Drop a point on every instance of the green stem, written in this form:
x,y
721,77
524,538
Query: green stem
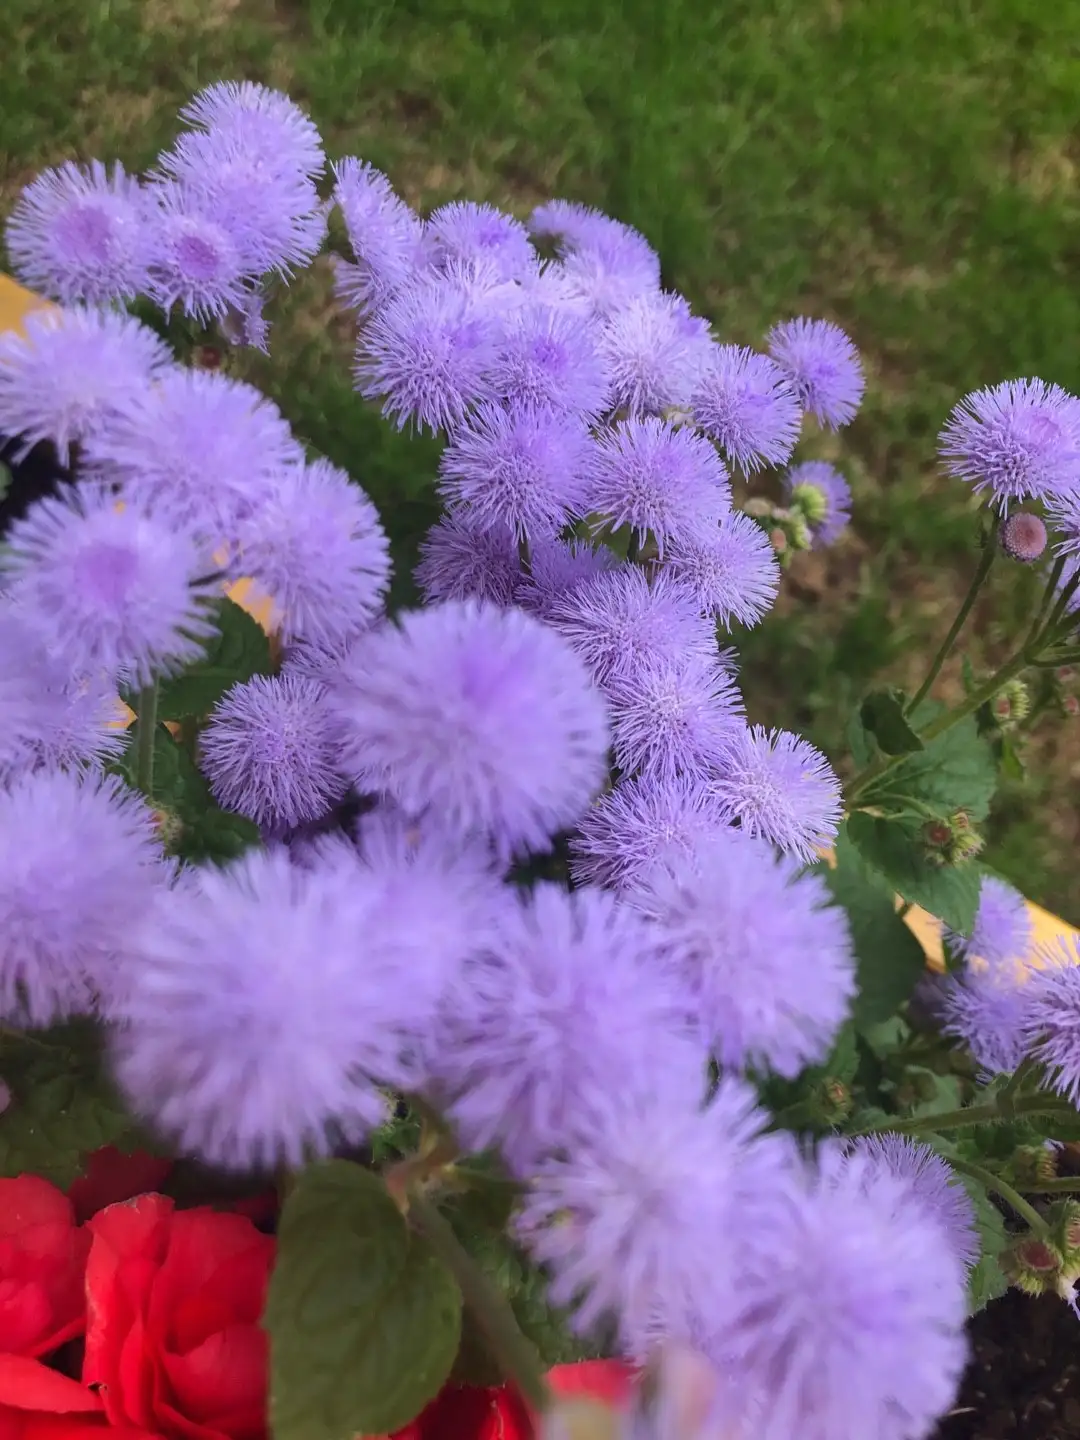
x,y
1064,1185
970,1115
633,548
524,556
1047,600
145,726
1012,1197
983,569
517,1358
1008,1096
1058,612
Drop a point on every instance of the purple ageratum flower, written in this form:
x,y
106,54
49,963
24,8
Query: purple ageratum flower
x,y
548,357
987,1009
930,1181
484,715
427,353
118,590
195,262
271,128
270,752
620,622
248,325
199,447
639,823
621,1218
553,1019
746,403
50,717
80,863
461,561
314,543
845,1318
385,235
1015,440
70,371
1051,1029
522,468
557,568
823,365
731,896
578,229
779,787
1002,932
1023,537
273,215
78,233
656,477
471,234
831,489
733,570
603,281
263,1014
673,717
654,358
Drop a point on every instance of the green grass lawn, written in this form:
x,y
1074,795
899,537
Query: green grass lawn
x,y
908,169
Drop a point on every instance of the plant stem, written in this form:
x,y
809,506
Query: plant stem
x,y
517,1358
1017,1080
1012,1197
633,548
1047,600
970,1115
1064,1185
524,556
983,569
145,726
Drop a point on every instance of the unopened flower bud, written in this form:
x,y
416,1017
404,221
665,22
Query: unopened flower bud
x,y
778,540
1065,674
834,1099
937,834
1032,1265
1023,537
1070,705
965,847
1034,1164
758,508
811,501
169,827
1011,704
207,357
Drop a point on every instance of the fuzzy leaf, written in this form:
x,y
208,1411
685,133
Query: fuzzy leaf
x,y
882,714
889,959
239,650
364,1319
956,771
892,847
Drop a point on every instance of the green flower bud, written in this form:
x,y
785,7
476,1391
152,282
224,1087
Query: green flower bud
x,y
811,501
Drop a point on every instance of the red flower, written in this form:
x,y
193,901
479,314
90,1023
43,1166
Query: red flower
x,y
174,1300
466,1412
112,1176
42,1255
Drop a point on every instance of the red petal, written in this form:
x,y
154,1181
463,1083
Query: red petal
x,y
29,1385
227,1373
202,1244
121,1235
607,1380
28,1201
111,1176
235,1294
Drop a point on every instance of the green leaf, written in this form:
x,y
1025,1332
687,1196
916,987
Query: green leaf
x,y
63,1104
889,959
892,847
882,714
859,742
986,1280
239,650
364,1319
5,480
1012,766
957,771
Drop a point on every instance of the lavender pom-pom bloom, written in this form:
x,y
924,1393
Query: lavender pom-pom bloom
x,y
834,493
1002,931
673,717
732,570
481,236
655,477
270,752
1051,998
263,1015
1015,440
548,357
640,822
486,716
823,365
523,467
195,262
314,543
619,622
78,233
621,1218
271,128
746,403
779,787
554,1018
199,447
71,371
653,359
427,354
931,1182
79,863
987,1009
385,235
730,897
461,560
119,591
846,1316
557,568
578,229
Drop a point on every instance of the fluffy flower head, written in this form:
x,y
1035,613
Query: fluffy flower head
x,y
932,1182
1015,440
1023,537
579,230
548,357
833,494
747,404
270,126
556,569
1002,933
1051,1029
673,717
462,560
639,823
779,787
195,261
479,235
653,359
385,235
732,570
823,365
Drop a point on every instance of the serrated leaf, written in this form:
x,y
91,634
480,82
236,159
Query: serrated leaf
x,y
957,771
364,1319
889,959
892,847
239,650
882,714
